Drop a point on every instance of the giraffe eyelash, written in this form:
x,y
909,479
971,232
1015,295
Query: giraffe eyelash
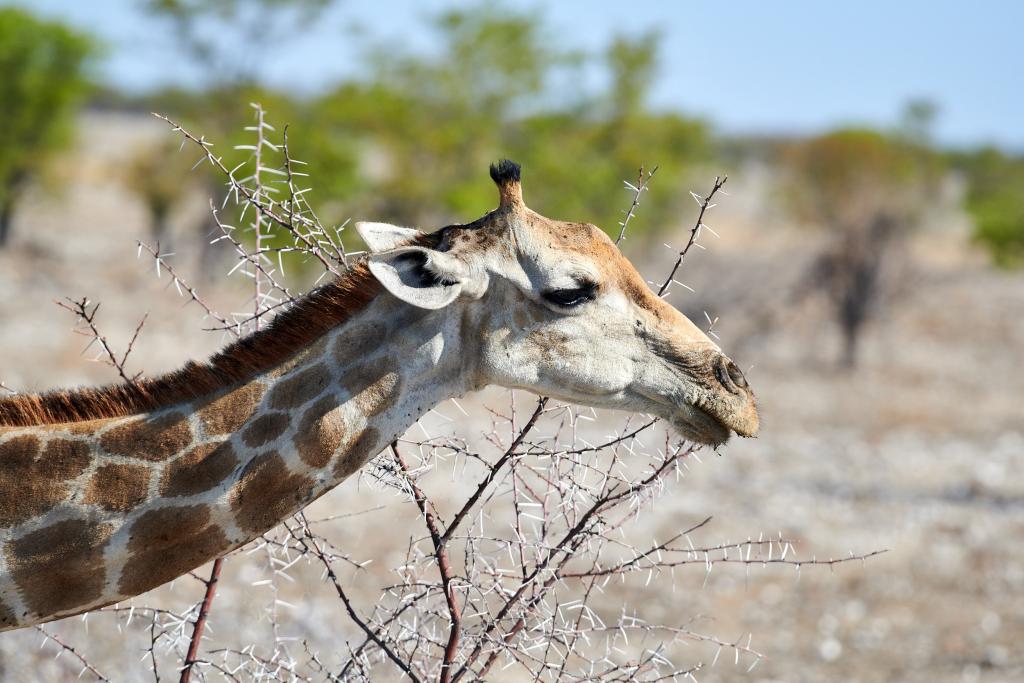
x,y
571,297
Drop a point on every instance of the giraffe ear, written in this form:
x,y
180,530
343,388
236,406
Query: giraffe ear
x,y
425,277
384,237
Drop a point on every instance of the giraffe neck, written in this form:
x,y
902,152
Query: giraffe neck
x,y
93,513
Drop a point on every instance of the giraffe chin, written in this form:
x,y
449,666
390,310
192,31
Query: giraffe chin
x,y
698,426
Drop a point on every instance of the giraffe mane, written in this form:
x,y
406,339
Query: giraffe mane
x,y
299,325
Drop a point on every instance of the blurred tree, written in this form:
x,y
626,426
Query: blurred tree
x,y
418,129
408,140
227,38
917,120
43,66
160,176
868,189
995,200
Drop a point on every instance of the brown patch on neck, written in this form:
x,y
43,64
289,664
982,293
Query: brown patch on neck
x,y
304,322
199,470
60,567
227,413
33,479
149,438
357,453
166,543
117,487
267,492
321,430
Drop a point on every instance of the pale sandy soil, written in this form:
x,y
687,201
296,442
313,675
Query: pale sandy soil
x,y
919,452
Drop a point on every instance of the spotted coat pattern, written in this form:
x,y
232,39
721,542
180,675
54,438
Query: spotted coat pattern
x,y
92,513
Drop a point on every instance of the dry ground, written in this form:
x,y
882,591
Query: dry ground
x,y
919,452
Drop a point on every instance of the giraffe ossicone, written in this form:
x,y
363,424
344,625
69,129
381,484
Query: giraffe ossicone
x,y
106,493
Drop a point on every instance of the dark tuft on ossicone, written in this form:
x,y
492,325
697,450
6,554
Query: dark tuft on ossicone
x,y
505,171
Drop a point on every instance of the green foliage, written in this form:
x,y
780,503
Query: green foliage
x,y
211,31
43,66
418,131
159,175
411,139
844,177
995,200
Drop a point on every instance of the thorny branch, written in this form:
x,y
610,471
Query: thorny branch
x,y
86,664
638,189
314,546
87,317
183,288
316,241
494,471
444,568
705,204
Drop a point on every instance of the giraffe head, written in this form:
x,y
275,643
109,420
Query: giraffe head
x,y
553,307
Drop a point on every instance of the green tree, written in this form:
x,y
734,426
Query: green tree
x,y
995,200
408,140
44,79
227,40
161,177
417,129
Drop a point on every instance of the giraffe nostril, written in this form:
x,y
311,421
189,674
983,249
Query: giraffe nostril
x,y
729,375
735,375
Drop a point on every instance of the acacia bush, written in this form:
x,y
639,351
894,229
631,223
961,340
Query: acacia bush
x,y
995,201
405,138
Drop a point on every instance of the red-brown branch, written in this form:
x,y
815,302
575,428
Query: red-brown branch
x,y
443,566
494,470
81,309
200,623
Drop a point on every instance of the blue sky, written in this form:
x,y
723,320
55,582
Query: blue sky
x,y
789,67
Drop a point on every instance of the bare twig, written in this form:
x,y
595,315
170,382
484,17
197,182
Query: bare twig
x,y
328,259
87,317
637,190
160,259
695,231
86,664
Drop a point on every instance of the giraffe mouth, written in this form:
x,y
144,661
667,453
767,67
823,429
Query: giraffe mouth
x,y
692,420
696,424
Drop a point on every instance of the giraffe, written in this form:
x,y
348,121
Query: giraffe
x,y
106,493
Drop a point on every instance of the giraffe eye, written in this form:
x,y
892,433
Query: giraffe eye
x,y
570,298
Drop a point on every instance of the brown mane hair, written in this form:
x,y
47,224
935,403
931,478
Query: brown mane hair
x,y
299,325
